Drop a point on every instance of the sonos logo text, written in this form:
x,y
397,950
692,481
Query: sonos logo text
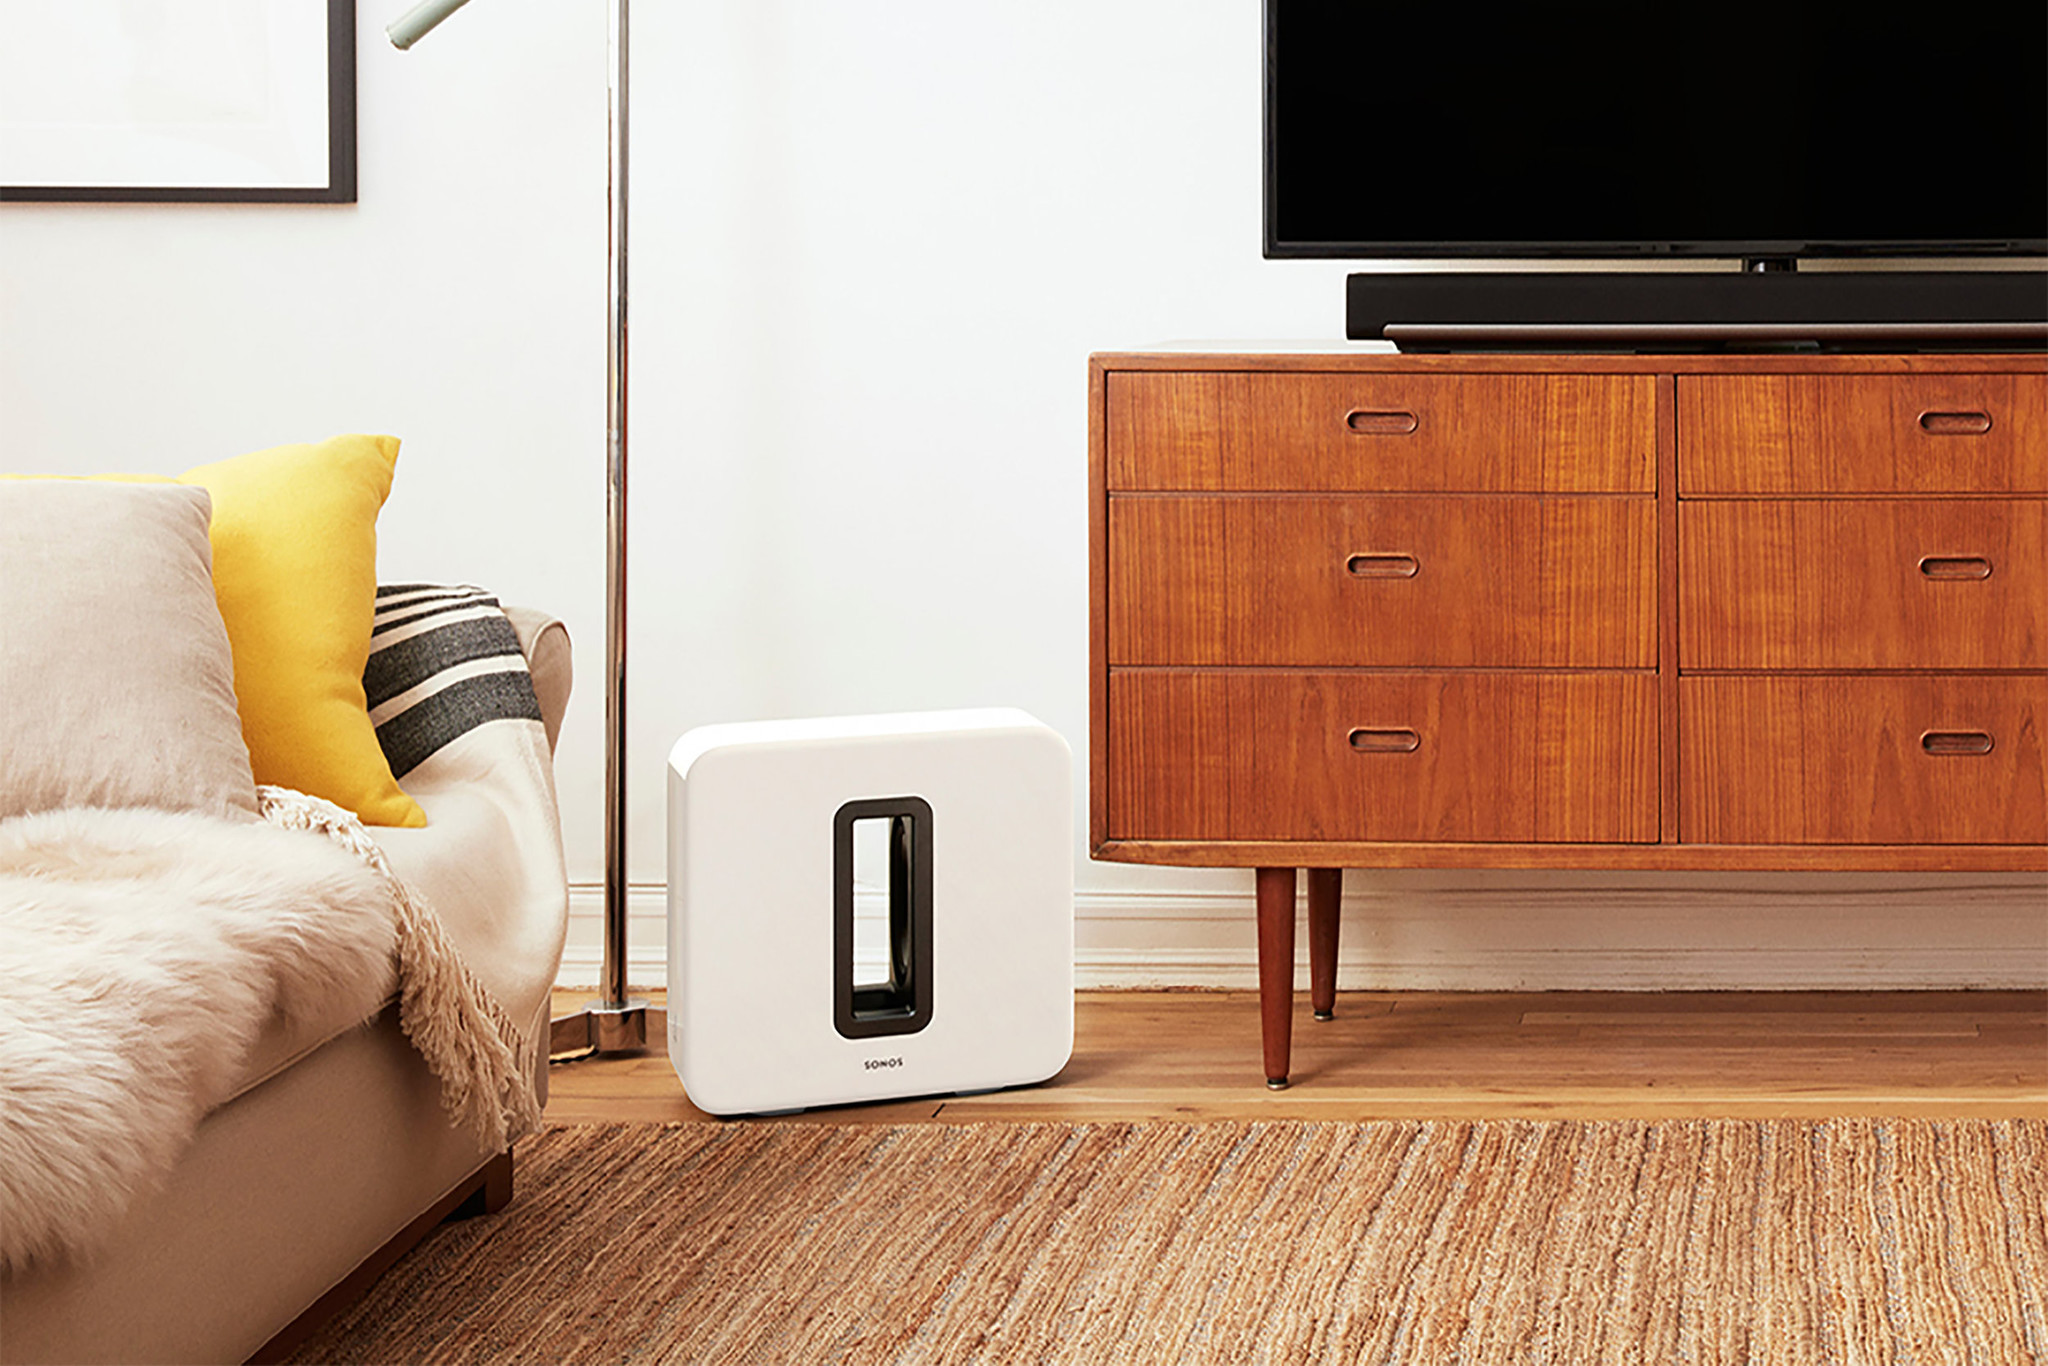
x,y
873,1064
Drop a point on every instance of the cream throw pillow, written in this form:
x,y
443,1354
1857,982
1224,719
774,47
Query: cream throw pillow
x,y
116,683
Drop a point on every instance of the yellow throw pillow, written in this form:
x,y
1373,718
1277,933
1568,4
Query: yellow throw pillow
x,y
295,571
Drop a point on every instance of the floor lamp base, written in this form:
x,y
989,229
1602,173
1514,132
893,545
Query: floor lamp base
x,y
627,1026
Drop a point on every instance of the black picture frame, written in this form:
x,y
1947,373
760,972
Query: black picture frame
x,y
341,148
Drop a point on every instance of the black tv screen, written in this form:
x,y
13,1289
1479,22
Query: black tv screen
x,y
1621,129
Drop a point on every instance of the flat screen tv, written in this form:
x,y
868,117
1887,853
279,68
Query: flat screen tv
x,y
1630,129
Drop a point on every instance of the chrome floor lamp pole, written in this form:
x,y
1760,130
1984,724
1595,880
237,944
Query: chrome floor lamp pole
x,y
615,1022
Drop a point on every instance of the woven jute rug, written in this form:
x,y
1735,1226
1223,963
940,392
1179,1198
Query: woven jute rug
x,y
1500,1241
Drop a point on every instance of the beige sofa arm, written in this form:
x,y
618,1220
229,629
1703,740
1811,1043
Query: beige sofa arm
x,y
545,642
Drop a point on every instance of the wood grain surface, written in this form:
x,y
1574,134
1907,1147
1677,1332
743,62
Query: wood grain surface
x,y
1383,581
1271,754
1864,584
1844,759
1315,432
1219,519
1661,857
1869,434
1667,609
1585,1055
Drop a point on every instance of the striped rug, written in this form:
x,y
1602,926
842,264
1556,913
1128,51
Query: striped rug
x,y
1779,1242
443,660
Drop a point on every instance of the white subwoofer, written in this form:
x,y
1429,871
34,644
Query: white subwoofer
x,y
863,908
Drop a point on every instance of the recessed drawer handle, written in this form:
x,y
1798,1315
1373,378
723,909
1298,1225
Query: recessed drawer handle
x,y
1380,422
1955,424
1385,741
1955,566
1942,742
1383,566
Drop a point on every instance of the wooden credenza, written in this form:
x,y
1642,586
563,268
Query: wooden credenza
x,y
1355,609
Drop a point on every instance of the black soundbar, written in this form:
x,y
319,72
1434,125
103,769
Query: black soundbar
x,y
1837,310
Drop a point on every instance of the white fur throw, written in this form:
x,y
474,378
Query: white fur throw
x,y
142,953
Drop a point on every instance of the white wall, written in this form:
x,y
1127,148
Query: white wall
x,y
873,245
459,305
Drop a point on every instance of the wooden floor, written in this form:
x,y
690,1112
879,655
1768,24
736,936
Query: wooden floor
x,y
1579,1055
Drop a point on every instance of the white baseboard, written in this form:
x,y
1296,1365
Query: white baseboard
x,y
1530,932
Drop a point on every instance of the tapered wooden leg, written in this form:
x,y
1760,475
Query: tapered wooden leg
x,y
1276,970
1325,894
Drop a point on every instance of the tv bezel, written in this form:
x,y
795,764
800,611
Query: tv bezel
x,y
1745,249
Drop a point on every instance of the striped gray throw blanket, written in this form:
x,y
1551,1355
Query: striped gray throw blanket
x,y
443,661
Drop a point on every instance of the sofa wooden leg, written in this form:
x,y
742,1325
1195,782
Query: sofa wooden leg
x,y
493,1190
1325,895
486,1192
1276,970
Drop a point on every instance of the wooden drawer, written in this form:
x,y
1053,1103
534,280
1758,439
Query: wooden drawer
x,y
1371,433
1493,757
1389,581
1839,584
1820,759
1849,434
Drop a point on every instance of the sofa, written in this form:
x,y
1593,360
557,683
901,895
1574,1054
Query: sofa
x,y
333,1142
